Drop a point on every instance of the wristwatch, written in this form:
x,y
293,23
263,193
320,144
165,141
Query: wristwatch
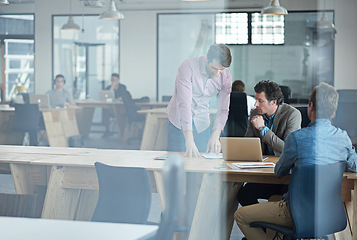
x,y
261,129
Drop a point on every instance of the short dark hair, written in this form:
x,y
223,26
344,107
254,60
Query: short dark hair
x,y
271,89
221,53
324,97
238,86
60,76
115,75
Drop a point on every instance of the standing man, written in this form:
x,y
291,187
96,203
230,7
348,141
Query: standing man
x,y
60,97
272,121
319,143
199,79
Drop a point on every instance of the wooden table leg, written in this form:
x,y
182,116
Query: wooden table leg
x,y
86,205
60,203
21,175
213,218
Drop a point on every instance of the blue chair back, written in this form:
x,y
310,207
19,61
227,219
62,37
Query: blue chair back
x,y
124,194
315,200
173,175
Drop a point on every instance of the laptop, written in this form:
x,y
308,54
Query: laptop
x,y
43,100
106,95
241,149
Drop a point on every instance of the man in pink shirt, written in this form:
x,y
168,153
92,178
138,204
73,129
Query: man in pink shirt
x,y
197,80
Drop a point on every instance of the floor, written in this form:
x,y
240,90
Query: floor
x,y
96,140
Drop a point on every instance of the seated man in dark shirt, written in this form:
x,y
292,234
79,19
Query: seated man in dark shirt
x,y
319,143
119,90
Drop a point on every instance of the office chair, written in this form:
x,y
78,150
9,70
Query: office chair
x,y
346,113
18,205
136,121
286,93
27,118
173,175
237,121
124,194
315,202
166,98
305,121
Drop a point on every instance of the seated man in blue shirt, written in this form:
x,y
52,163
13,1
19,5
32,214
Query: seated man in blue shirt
x,y
272,121
319,143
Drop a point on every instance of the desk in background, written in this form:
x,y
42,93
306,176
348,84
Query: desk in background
x,y
44,229
72,187
60,124
85,120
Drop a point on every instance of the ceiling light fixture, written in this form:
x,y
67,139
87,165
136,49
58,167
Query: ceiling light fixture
x,y
274,8
112,12
324,23
70,25
4,2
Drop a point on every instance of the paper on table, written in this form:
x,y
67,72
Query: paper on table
x,y
251,165
212,155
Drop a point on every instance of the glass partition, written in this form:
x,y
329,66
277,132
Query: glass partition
x,y
86,57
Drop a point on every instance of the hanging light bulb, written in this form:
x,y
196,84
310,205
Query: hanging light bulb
x,y
274,8
70,25
324,23
4,2
112,12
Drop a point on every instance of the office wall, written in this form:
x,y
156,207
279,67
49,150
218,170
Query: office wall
x,y
138,39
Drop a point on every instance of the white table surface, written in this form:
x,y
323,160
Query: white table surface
x,y
46,229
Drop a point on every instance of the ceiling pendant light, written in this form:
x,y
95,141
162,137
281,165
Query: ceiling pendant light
x,y
324,23
4,2
70,25
274,8
112,12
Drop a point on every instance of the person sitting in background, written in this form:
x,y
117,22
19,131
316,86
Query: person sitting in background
x,y
272,121
239,86
118,88
60,97
319,143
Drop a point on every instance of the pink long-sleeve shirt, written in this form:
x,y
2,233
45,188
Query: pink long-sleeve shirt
x,y
193,91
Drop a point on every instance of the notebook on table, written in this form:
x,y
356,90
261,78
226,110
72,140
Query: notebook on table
x,y
43,100
106,95
241,149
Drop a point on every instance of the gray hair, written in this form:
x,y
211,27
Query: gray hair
x,y
325,100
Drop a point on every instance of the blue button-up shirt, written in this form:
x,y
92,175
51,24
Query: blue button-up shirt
x,y
319,143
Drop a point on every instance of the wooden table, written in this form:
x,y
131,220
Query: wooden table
x,y
155,130
72,184
118,109
60,124
44,229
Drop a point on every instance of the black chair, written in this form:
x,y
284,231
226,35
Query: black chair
x,y
27,118
124,194
346,113
237,122
286,93
173,176
136,121
305,121
315,202
18,205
